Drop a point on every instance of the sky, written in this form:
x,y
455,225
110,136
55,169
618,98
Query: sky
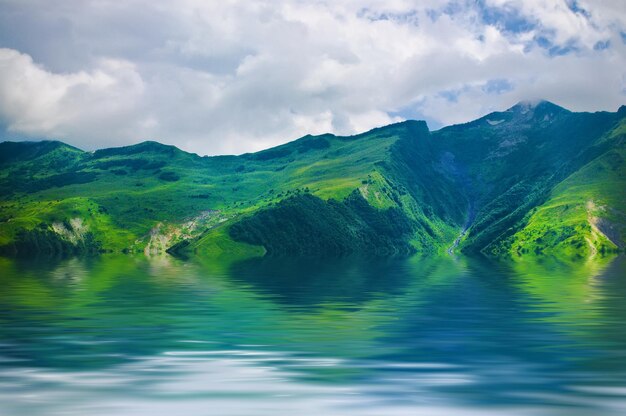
x,y
235,76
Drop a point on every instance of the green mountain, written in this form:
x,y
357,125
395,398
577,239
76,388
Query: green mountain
x,y
536,178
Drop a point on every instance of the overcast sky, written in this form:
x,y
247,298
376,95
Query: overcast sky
x,y
231,76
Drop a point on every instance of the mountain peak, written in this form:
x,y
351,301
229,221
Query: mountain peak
x,y
28,150
536,108
416,127
148,146
151,145
528,105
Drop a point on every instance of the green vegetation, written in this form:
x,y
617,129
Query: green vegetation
x,y
307,225
585,213
532,179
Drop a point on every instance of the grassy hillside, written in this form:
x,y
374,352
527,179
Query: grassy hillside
x,y
511,163
150,197
503,182
586,213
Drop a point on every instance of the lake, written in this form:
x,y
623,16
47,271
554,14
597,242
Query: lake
x,y
125,335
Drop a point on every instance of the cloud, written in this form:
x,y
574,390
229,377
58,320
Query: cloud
x,y
35,101
235,76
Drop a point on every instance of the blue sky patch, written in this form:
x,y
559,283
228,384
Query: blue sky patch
x,y
556,50
412,112
575,7
506,19
450,95
498,86
602,45
406,18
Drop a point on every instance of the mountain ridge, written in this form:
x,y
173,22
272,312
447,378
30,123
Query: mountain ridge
x,y
531,104
481,185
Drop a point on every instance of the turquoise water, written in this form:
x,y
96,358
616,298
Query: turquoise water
x,y
121,335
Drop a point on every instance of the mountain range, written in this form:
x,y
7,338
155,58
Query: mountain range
x,y
534,179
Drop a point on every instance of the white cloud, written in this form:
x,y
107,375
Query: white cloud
x,y
563,23
235,76
36,101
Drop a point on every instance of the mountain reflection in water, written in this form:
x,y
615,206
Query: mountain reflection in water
x,y
446,335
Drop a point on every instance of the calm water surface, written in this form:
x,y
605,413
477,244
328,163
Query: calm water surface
x,y
121,335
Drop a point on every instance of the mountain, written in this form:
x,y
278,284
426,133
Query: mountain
x,y
535,178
